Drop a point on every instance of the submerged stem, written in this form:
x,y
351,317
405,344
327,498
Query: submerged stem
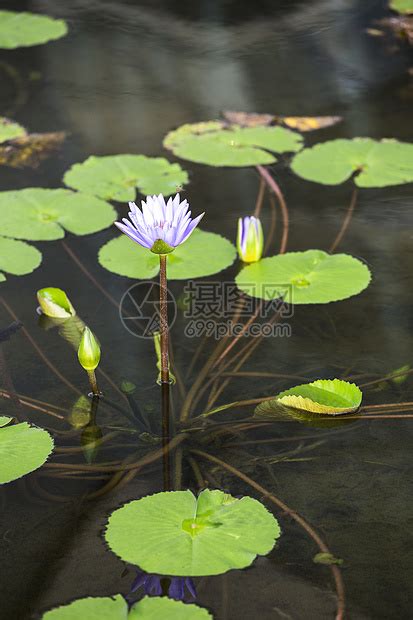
x,y
273,185
163,309
346,222
291,513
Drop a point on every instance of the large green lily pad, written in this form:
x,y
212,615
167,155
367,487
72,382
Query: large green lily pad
x,y
27,29
311,277
23,448
402,6
17,257
116,608
217,144
9,129
175,533
203,254
324,396
117,177
375,163
38,214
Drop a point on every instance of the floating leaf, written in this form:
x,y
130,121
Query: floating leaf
x,y
23,448
40,214
402,6
375,163
299,123
117,177
4,419
174,533
26,29
17,257
28,151
308,123
217,144
203,254
311,277
326,558
9,129
116,608
324,396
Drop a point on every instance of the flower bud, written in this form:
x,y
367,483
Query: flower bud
x,y
55,303
250,239
89,350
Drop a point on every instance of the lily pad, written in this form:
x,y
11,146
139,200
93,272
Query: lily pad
x,y
375,163
116,608
203,254
17,257
23,448
9,129
174,533
311,277
40,214
4,419
402,6
117,177
324,396
217,144
27,29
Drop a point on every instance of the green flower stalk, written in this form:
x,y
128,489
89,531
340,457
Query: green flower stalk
x,y
89,357
250,239
160,227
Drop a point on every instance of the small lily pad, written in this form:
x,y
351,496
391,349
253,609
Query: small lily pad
x,y
116,608
203,254
175,533
23,448
117,177
402,6
27,29
17,257
324,396
217,144
39,214
374,163
4,419
9,129
311,277
327,558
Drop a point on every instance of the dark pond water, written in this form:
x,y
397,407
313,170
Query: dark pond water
x,y
126,74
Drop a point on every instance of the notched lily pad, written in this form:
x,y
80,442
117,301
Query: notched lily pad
x,y
175,533
324,396
27,29
116,608
17,258
127,258
117,177
217,144
23,448
374,163
38,214
310,277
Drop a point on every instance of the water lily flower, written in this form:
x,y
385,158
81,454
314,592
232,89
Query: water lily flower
x,y
152,585
250,239
160,226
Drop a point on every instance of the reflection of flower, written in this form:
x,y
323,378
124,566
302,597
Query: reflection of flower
x,y
152,585
160,226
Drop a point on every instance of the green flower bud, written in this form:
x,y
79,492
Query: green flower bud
x,y
250,239
55,303
89,351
